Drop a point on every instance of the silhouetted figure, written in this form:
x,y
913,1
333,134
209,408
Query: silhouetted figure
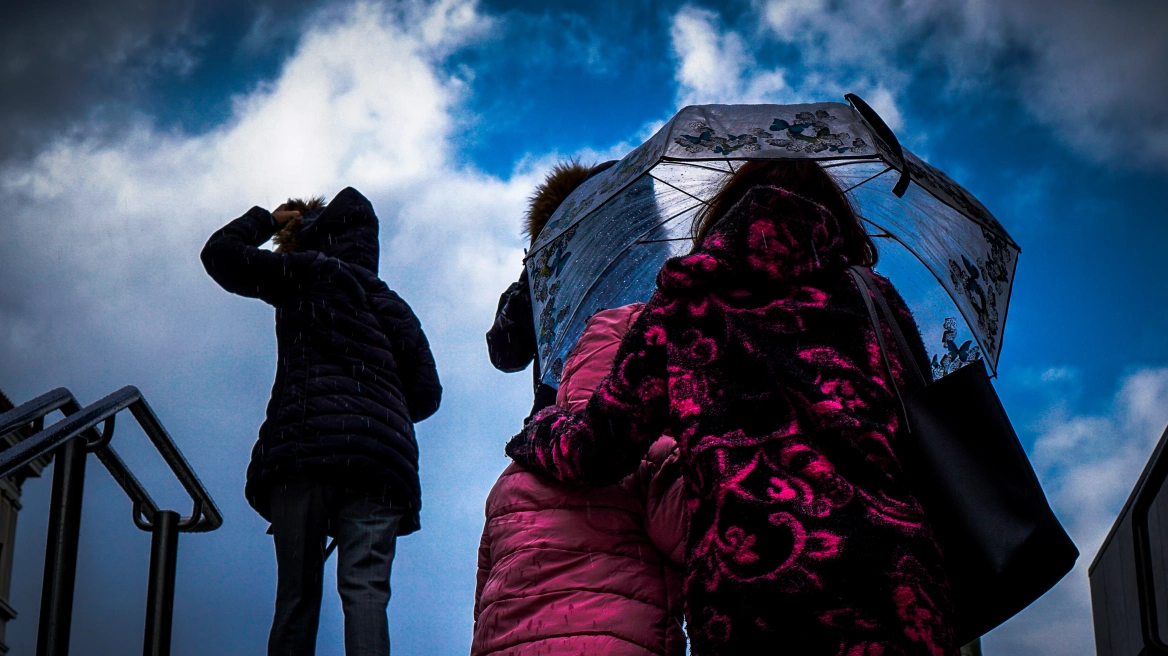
x,y
336,454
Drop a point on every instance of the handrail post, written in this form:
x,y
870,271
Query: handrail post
x,y
56,615
160,594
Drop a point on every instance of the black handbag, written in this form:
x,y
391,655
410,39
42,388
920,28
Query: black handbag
x,y
1002,545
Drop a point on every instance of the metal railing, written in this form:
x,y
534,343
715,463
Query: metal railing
x,y
70,440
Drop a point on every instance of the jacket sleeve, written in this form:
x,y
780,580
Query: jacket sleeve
x,y
627,413
415,363
511,339
232,258
666,520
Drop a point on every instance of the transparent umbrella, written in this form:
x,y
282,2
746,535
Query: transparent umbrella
x,y
949,257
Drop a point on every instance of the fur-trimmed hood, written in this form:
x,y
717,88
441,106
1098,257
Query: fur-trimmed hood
x,y
560,184
345,229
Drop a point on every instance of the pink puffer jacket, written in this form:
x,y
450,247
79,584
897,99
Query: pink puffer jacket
x,y
577,570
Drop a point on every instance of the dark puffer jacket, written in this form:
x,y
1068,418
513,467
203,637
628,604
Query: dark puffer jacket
x,y
511,340
355,371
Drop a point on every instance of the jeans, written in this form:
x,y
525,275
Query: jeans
x,y
366,532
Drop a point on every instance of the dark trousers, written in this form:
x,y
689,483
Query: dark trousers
x,y
303,514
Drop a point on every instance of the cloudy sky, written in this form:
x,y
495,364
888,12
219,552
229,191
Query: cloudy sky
x,y
130,131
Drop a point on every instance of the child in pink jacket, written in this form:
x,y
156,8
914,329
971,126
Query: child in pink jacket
x,y
565,569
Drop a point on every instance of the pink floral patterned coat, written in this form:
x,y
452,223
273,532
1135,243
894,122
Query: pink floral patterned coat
x,y
756,351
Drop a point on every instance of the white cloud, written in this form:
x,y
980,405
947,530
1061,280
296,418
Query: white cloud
x,y
882,100
102,283
1096,459
786,16
1088,465
716,66
1059,373
710,62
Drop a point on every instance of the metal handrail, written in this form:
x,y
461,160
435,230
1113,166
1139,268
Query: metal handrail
x,y
82,422
33,412
70,439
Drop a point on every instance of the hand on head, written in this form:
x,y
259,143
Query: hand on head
x,y
282,215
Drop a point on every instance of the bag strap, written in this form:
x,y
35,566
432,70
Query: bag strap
x,y
906,352
866,294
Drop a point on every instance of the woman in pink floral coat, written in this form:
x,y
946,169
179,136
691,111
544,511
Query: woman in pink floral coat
x,y
756,352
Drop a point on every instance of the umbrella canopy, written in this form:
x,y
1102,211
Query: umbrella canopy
x,y
604,245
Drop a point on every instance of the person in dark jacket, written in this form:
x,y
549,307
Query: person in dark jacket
x,y
336,454
511,340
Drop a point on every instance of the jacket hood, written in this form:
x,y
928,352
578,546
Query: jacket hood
x,y
345,229
771,235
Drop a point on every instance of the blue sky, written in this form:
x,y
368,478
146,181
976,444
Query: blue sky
x,y
132,134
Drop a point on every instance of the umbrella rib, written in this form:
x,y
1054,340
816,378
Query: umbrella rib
x,y
703,202
869,179
677,214
658,225
832,163
996,229
685,162
592,285
825,163
658,241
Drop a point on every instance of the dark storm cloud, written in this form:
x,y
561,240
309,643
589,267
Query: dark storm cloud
x,y
87,67
1093,71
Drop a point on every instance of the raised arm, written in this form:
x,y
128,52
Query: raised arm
x,y
511,339
232,257
626,414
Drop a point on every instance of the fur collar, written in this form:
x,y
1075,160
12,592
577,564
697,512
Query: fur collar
x,y
560,183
